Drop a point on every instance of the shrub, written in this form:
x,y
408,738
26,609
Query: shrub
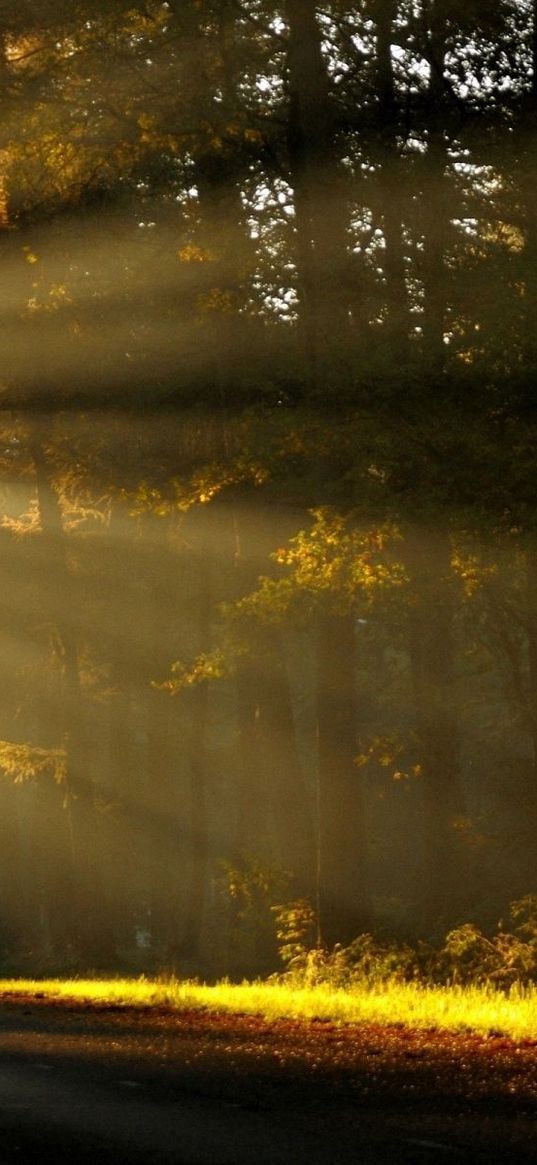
x,y
467,955
247,889
509,956
309,964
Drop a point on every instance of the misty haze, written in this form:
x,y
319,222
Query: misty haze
x,y
268,534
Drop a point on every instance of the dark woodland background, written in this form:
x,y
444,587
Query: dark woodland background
x,y
268,549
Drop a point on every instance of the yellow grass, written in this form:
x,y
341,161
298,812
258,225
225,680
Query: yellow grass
x,y
480,1009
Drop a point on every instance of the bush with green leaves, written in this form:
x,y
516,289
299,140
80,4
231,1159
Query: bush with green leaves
x,y
309,964
508,956
467,955
247,889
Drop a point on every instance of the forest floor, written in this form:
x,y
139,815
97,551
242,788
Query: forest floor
x,y
251,1089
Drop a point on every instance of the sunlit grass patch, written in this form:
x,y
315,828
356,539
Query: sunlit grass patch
x,y
481,1009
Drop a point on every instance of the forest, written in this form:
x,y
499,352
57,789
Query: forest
x,y
268,422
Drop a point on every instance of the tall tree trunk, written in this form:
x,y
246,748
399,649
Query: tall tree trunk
x,y
275,810
197,710
432,660
124,827
322,226
54,870
429,551
533,52
527,168
165,826
162,795
343,888
197,841
435,216
220,164
88,909
531,625
251,834
391,189
321,207
435,229
15,925
289,801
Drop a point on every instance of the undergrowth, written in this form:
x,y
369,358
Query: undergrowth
x,y
467,957
484,983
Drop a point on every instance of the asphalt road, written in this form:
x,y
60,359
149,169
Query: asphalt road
x,y
100,1092
48,1113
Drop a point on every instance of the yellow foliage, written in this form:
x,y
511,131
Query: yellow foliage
x,y
20,51
191,253
25,762
217,300
146,121
147,20
388,751
181,495
472,571
27,523
505,234
335,565
207,666
335,555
